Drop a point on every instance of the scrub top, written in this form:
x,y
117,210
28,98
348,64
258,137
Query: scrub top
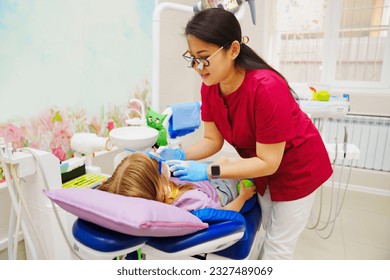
x,y
263,110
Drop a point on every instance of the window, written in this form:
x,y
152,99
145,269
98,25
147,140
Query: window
x,y
334,42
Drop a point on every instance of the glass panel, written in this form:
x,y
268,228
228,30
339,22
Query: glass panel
x,y
301,28
362,40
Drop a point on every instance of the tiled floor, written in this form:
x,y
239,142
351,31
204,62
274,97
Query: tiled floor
x,y
361,232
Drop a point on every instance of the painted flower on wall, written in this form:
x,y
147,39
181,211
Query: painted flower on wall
x,y
52,130
110,125
14,134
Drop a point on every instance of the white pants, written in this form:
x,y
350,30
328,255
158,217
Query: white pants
x,y
283,223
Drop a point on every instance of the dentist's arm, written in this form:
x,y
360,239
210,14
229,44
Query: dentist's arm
x,y
266,162
211,143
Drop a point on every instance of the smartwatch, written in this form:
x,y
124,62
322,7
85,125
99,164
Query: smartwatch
x,y
215,171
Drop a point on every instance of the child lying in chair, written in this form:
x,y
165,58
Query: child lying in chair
x,y
147,176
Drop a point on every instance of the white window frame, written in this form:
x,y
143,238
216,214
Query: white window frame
x,y
328,76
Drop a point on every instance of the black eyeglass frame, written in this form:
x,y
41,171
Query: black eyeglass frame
x,y
198,60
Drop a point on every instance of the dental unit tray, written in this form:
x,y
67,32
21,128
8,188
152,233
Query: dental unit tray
x,y
85,181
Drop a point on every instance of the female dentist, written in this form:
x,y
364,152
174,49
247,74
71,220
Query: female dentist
x,y
249,104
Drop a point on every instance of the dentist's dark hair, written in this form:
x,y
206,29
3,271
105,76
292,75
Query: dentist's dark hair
x,y
220,27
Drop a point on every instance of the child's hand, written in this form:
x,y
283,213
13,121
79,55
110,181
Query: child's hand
x,y
246,192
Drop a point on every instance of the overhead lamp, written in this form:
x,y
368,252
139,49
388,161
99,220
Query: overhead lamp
x,y
230,5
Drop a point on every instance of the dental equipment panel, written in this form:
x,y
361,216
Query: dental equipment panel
x,y
45,227
27,171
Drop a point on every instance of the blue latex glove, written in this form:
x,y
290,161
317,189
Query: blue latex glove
x,y
188,170
170,154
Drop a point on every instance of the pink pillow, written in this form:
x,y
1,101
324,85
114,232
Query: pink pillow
x,y
129,215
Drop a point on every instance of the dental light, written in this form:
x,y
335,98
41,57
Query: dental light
x,y
229,5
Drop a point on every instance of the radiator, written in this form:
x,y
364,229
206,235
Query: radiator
x,y
369,133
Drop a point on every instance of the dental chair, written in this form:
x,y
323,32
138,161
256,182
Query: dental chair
x,y
111,226
166,234
163,232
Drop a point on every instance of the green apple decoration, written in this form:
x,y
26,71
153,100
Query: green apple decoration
x,y
323,95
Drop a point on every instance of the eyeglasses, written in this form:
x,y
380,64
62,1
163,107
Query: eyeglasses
x,y
200,61
152,156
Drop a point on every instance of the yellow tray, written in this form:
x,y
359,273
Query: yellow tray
x,y
85,181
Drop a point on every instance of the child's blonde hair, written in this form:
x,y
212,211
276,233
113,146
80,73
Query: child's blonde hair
x,y
138,176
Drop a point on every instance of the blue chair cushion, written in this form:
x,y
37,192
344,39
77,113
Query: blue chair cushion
x,y
215,230
221,223
102,239
242,248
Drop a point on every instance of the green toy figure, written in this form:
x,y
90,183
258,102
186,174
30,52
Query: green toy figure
x,y
155,120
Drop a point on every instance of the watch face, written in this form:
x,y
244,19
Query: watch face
x,y
215,171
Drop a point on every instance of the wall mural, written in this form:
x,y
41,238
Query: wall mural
x,y
71,66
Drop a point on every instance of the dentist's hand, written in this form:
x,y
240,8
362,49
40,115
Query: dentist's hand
x,y
170,154
188,170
